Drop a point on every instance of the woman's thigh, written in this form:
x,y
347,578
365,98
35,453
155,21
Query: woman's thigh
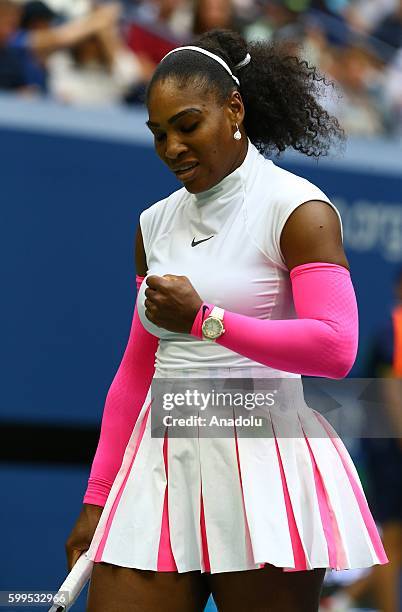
x,y
119,589
269,589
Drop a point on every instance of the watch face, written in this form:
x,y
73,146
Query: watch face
x,y
212,328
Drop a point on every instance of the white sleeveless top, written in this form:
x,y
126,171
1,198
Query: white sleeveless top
x,y
241,268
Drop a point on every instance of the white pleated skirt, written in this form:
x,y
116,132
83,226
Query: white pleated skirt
x,y
236,503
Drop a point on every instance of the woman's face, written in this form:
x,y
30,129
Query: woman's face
x,y
193,134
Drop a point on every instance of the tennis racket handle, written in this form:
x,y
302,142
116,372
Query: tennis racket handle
x,y
74,583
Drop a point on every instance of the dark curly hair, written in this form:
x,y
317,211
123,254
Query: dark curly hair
x,y
280,92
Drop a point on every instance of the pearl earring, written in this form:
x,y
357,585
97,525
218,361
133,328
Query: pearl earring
x,y
237,134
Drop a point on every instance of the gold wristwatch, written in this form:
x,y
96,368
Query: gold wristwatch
x,y
212,327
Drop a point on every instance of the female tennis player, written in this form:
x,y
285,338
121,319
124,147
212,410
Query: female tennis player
x,y
241,273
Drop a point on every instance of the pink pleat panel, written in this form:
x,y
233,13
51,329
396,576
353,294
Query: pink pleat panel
x,y
99,552
166,562
244,505
360,497
204,542
298,552
336,553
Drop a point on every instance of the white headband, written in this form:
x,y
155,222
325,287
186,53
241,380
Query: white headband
x,y
216,58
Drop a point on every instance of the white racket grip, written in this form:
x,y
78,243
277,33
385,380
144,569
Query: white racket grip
x,y
74,583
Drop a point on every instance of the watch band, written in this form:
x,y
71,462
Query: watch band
x,y
217,313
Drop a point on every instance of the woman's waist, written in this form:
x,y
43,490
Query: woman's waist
x,y
220,371
208,359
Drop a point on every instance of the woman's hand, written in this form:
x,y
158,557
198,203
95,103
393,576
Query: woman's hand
x,y
82,533
172,302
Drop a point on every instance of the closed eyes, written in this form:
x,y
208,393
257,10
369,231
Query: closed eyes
x,y
185,130
191,128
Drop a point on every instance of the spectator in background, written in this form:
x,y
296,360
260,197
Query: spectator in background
x,y
365,15
315,46
158,26
176,14
276,20
390,30
36,17
211,14
12,76
40,38
98,70
358,75
393,91
71,9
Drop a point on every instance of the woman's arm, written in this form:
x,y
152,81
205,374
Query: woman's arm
x,y
313,234
44,42
323,340
124,400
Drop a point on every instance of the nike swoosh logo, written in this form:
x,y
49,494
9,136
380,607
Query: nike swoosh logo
x,y
195,242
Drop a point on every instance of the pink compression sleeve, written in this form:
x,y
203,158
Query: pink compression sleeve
x,y
322,341
124,401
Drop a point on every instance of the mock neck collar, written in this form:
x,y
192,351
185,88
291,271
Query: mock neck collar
x,y
230,183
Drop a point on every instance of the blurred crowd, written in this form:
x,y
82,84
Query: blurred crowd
x,y
83,52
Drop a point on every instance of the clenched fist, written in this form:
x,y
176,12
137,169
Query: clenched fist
x,y
171,302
